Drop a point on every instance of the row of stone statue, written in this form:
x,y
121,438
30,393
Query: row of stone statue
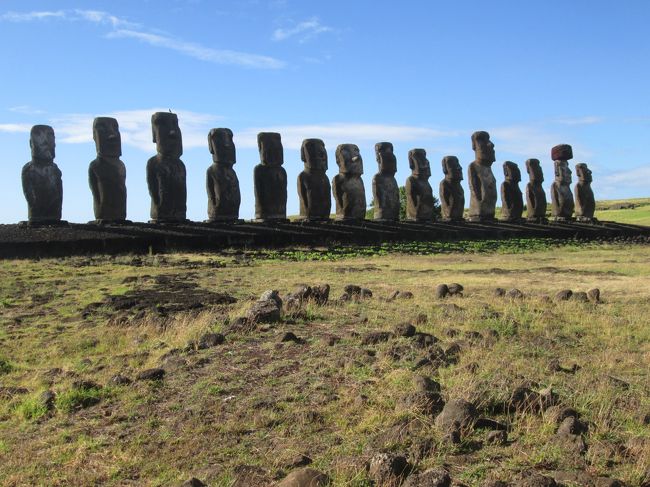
x,y
42,185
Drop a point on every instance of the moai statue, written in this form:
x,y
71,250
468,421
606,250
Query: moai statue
x,y
270,180
347,186
419,195
107,173
512,201
166,171
41,179
221,180
585,203
561,198
314,189
452,196
482,184
535,194
384,186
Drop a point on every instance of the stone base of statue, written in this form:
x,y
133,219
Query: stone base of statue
x,y
217,221
537,220
512,220
43,223
452,220
313,219
482,219
272,220
103,222
169,221
349,219
562,219
384,220
586,219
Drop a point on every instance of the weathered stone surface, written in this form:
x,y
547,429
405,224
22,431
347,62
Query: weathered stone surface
x,y
452,195
385,192
41,178
320,294
594,295
482,183
404,329
585,203
428,403
563,295
425,384
347,186
562,204
456,411
442,290
270,179
222,184
314,189
264,311
166,172
514,293
531,478
496,437
419,195
535,194
273,295
387,468
193,482
210,340
434,477
151,374
512,202
374,337
107,173
305,477
455,289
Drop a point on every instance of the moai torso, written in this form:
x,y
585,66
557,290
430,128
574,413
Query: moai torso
x,y
314,189
585,203
347,186
166,172
535,194
222,184
41,178
419,194
270,179
385,191
482,184
562,204
452,196
107,173
512,201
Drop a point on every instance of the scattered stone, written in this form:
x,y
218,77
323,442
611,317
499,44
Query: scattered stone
x,y
320,294
404,330
271,294
365,293
404,295
452,436
424,340
298,461
456,411
352,289
452,353
375,337
473,336
303,292
291,337
387,468
425,384
524,400
264,311
455,289
151,374
10,391
421,319
499,292
496,437
210,340
442,290
450,309
193,482
554,365
530,478
594,295
331,340
564,295
434,477
421,402
515,293
452,332
494,483
46,399
580,296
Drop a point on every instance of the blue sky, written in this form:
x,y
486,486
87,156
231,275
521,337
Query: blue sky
x,y
418,74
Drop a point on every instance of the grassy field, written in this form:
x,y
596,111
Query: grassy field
x,y
244,411
635,211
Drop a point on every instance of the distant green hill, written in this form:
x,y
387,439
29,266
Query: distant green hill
x,y
634,210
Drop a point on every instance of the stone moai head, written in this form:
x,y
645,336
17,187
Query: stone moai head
x,y
314,155
483,148
270,147
349,160
221,146
167,134
583,173
106,134
562,152
41,141
386,158
419,163
534,170
562,172
451,168
511,172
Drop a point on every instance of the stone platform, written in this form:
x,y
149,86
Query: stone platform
x,y
17,241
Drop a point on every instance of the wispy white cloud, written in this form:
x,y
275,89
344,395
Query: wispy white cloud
x,y
26,109
525,140
590,120
337,133
15,127
124,29
197,51
31,16
629,178
304,30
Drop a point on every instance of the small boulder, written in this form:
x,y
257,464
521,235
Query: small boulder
x,y
264,311
514,293
46,399
580,296
273,295
455,289
456,411
352,289
210,340
193,482
320,294
594,295
365,293
442,290
375,337
424,340
425,384
422,402
499,292
496,437
151,374
404,330
120,380
388,468
305,477
290,337
434,477
563,295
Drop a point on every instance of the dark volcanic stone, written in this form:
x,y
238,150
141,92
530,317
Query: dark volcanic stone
x,y
385,191
222,184
442,290
580,296
193,482
563,295
496,437
422,402
352,289
305,477
594,295
434,477
270,179
456,411
120,380
481,180
347,186
387,468
290,337
314,190
151,374
320,294
210,340
499,292
266,311
404,330
374,337
455,289
512,200
426,384
419,194
452,195
514,294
